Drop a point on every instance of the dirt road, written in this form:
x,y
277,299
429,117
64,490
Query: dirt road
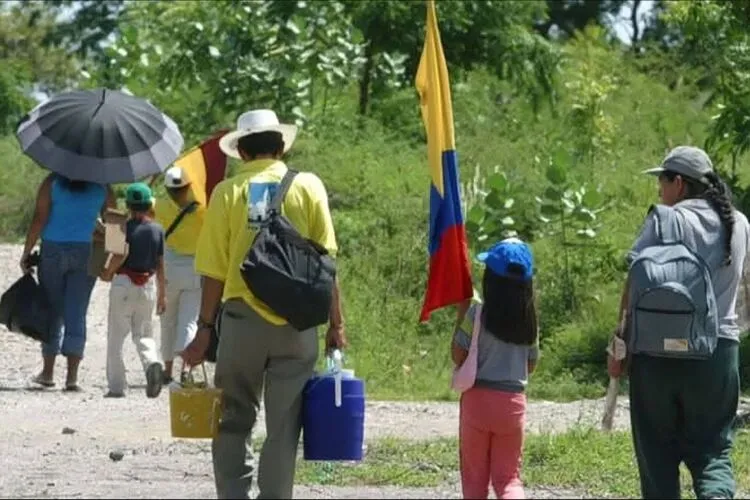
x,y
57,445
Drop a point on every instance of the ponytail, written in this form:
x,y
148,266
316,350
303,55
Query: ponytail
x,y
718,195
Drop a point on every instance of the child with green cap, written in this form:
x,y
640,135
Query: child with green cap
x,y
137,288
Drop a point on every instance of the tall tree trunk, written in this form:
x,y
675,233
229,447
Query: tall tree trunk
x,y
634,21
365,79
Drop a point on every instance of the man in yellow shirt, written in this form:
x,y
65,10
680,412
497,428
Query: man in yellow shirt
x,y
180,319
257,346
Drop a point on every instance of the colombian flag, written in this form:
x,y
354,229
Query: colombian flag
x,y
205,165
449,281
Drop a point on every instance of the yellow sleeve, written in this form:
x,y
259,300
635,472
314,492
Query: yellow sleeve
x,y
159,213
321,223
212,250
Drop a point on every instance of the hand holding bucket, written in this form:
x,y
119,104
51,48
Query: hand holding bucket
x,y
194,407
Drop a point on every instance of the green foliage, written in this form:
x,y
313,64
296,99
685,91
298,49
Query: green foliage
x,y
85,30
715,39
591,82
571,214
22,50
13,102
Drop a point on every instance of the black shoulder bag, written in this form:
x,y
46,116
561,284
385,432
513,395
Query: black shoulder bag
x,y
185,210
294,276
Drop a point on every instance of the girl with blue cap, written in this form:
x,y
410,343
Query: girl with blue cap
x,y
505,351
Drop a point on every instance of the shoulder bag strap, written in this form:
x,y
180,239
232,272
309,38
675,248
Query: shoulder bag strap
x,y
284,186
185,210
669,229
477,324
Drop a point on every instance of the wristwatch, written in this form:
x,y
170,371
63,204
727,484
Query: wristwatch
x,y
204,324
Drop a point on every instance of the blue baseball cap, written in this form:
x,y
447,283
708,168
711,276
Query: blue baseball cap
x,y
509,251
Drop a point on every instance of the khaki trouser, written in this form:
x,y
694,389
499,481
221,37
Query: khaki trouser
x,y
250,349
131,310
183,295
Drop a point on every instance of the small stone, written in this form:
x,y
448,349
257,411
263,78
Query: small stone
x,y
116,455
68,430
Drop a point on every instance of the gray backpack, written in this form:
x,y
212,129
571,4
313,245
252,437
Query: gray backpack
x,y
672,303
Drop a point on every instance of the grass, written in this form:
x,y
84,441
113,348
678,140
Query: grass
x,y
584,460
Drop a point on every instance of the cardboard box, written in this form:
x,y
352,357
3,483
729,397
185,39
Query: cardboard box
x,y
114,232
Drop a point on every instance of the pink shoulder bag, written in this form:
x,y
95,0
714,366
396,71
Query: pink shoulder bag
x,y
465,375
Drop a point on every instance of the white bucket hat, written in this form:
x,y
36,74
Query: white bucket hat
x,y
253,122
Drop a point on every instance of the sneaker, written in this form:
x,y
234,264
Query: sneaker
x,y
154,378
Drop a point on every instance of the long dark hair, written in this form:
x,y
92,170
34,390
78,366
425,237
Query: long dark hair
x,y
719,196
71,185
509,312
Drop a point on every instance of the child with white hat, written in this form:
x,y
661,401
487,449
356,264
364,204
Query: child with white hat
x,y
183,218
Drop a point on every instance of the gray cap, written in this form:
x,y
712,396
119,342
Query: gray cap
x,y
687,161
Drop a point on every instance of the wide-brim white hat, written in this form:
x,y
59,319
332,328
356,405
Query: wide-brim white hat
x,y
253,122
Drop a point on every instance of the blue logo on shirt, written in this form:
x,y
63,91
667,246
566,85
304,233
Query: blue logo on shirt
x,y
259,201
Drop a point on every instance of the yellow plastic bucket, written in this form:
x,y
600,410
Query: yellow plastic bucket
x,y
194,408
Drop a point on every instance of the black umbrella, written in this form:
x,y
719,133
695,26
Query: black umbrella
x,y
101,136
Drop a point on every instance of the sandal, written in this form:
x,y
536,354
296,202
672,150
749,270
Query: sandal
x,y
39,380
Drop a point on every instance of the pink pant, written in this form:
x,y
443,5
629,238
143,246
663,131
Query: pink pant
x,y
491,442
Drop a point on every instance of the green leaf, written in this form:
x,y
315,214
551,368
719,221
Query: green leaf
x,y
552,194
587,233
507,221
585,215
550,210
498,181
508,203
213,51
475,215
556,174
592,198
562,159
292,27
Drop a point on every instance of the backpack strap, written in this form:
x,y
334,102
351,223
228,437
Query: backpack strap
x,y
284,186
185,210
668,224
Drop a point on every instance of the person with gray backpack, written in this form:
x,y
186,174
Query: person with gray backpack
x,y
679,330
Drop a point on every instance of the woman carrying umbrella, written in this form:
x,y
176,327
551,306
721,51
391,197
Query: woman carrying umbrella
x,y
88,139
65,218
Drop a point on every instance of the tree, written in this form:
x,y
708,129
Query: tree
x,y
26,65
479,33
22,32
205,61
714,39
88,26
566,17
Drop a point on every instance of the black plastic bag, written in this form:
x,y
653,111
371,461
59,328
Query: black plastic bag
x,y
25,309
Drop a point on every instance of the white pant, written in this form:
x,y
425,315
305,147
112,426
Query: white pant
x,y
131,310
179,321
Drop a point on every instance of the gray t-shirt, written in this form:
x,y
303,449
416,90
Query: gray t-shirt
x,y
145,245
500,365
705,235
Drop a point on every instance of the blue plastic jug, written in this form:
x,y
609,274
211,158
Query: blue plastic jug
x,y
333,415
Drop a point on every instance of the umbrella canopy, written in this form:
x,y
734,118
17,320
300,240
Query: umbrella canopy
x,y
101,136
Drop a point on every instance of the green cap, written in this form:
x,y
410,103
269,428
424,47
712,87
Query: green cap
x,y
139,195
